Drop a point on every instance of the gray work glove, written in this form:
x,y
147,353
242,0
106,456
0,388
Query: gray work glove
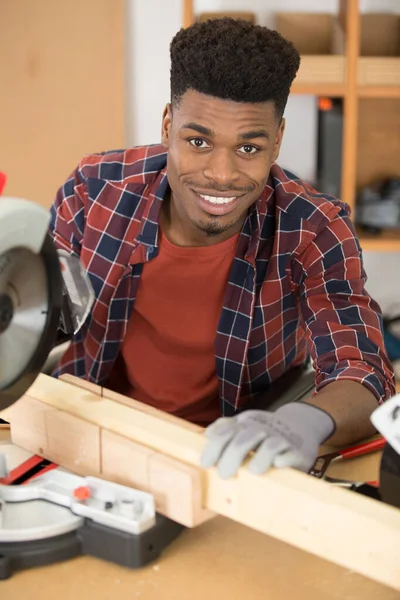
x,y
288,437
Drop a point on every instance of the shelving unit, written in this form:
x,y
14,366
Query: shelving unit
x,y
360,81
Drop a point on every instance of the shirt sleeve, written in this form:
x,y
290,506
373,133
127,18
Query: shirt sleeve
x,y
68,214
342,321
67,223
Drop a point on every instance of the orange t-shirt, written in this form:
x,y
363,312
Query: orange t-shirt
x,y
168,357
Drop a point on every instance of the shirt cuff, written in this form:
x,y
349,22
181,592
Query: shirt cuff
x,y
382,387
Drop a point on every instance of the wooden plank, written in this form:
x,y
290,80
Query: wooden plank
x,y
93,388
150,410
125,401
28,424
321,70
172,437
342,527
73,443
375,91
334,90
124,461
56,435
178,490
379,71
85,450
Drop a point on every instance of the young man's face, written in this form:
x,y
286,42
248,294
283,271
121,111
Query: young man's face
x,y
219,156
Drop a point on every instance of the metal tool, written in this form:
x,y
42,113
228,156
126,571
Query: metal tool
x,y
41,291
103,502
322,463
57,515
347,483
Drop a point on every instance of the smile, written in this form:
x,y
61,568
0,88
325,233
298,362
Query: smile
x,y
217,206
217,199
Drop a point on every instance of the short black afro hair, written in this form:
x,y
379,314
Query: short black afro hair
x,y
234,60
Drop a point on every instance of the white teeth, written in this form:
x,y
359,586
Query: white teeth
x,y
217,199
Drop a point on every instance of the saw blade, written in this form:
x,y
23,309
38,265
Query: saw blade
x,y
23,310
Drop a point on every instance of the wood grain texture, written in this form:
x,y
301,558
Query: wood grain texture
x,y
73,443
379,71
178,490
286,504
93,388
124,461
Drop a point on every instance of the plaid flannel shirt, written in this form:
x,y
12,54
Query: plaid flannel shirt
x,y
296,286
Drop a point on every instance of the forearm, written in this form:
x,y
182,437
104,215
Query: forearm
x,y
350,404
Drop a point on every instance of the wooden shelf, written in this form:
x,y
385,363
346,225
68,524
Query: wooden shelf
x,y
375,91
389,241
331,90
322,70
322,75
379,71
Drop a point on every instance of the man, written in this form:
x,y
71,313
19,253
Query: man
x,y
215,272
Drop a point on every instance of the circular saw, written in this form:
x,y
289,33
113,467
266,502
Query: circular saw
x,y
42,290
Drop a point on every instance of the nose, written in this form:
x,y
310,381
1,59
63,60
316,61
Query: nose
x,y
221,168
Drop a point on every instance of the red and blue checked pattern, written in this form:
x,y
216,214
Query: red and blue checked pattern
x,y
296,287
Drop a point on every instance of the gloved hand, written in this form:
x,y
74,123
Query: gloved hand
x,y
288,437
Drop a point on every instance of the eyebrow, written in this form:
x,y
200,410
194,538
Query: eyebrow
x,y
256,133
199,128
247,135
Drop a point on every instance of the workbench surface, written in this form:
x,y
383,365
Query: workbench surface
x,y
216,561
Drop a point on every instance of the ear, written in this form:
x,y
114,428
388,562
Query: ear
x,y
278,139
166,125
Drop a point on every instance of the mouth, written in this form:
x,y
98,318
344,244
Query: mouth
x,y
218,205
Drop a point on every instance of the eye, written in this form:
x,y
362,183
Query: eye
x,y
198,143
248,149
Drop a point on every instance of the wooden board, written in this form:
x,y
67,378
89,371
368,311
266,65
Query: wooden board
x,y
177,487
87,449
285,504
218,561
62,89
379,71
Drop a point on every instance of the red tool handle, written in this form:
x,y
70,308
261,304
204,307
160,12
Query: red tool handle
x,y
362,449
3,180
